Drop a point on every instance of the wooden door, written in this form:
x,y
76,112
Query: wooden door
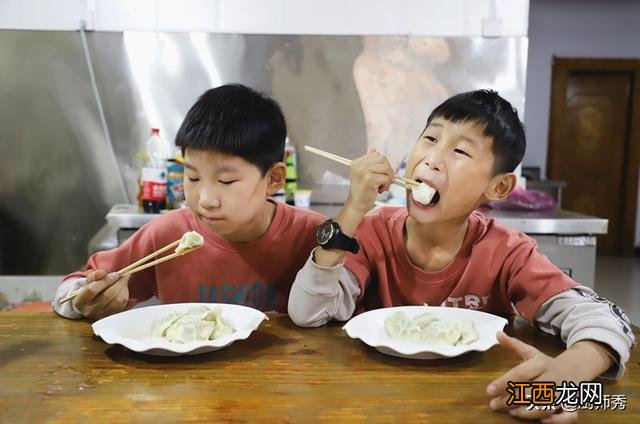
x,y
593,143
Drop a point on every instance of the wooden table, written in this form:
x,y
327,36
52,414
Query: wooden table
x,y
56,370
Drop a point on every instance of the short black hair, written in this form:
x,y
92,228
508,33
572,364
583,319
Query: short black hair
x,y
500,121
236,120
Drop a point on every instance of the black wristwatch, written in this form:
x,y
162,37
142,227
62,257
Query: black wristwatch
x,y
329,235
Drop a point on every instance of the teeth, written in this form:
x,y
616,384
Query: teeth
x,y
423,194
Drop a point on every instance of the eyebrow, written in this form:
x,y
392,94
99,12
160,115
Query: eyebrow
x,y
472,141
227,168
221,169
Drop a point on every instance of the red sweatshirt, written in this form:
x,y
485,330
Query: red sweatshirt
x,y
257,274
496,268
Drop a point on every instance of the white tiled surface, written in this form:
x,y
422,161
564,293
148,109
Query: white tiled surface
x,y
467,18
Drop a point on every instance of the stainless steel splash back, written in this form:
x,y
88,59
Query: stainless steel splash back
x,y
59,174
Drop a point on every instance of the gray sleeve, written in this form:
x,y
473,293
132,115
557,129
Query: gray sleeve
x,y
320,294
580,314
67,309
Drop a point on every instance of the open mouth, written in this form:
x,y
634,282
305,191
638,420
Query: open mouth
x,y
435,198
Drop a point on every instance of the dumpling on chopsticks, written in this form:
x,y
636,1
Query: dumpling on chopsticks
x,y
189,240
423,193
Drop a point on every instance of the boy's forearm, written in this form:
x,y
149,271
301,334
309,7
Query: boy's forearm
x,y
348,219
588,359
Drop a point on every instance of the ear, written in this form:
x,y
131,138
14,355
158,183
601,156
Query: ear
x,y
276,177
501,186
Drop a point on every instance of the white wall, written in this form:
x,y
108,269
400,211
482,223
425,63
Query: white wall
x,y
418,17
572,28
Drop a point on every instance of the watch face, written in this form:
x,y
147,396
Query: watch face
x,y
324,233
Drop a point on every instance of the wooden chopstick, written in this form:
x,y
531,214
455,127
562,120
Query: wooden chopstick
x,y
401,181
136,266
152,255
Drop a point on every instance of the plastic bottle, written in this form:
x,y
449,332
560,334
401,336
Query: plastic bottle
x,y
154,173
175,191
291,181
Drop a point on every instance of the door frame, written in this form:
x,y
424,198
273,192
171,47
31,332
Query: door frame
x,y
561,68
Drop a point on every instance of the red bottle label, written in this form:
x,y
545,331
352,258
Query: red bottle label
x,y
154,184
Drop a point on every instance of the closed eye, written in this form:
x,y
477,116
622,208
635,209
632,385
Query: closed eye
x,y
193,180
462,152
227,182
431,139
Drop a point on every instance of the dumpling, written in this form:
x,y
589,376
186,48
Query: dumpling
x,y
430,328
442,332
425,319
423,193
189,240
467,332
195,324
401,326
159,326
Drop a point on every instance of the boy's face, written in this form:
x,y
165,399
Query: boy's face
x,y
456,159
227,193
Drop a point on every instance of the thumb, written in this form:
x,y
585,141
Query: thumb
x,y
524,351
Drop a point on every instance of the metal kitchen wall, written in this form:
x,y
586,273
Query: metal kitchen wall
x,y
69,137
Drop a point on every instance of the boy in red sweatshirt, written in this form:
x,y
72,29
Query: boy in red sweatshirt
x,y
232,140
446,254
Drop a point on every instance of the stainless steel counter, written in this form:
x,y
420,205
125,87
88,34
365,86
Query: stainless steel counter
x,y
545,222
555,221
567,238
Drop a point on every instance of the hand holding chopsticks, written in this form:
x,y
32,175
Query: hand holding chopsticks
x,y
189,242
401,181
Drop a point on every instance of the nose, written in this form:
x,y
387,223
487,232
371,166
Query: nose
x,y
209,197
433,158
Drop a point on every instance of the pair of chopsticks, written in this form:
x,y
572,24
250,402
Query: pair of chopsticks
x,y
138,265
401,181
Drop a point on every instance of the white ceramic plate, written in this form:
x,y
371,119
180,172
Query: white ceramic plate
x,y
369,327
132,329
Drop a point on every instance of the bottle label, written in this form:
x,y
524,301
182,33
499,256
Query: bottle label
x,y
292,166
175,190
154,184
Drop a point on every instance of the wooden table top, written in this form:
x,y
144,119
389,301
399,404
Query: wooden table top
x,y
56,370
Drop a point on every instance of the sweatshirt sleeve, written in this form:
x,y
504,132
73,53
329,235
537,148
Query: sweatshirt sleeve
x,y
320,294
580,314
532,278
67,309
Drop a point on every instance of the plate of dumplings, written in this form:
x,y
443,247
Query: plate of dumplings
x,y
180,328
426,332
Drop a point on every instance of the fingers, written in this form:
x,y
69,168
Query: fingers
x,y
371,174
372,163
93,288
118,303
525,351
527,371
101,297
556,415
98,274
114,293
